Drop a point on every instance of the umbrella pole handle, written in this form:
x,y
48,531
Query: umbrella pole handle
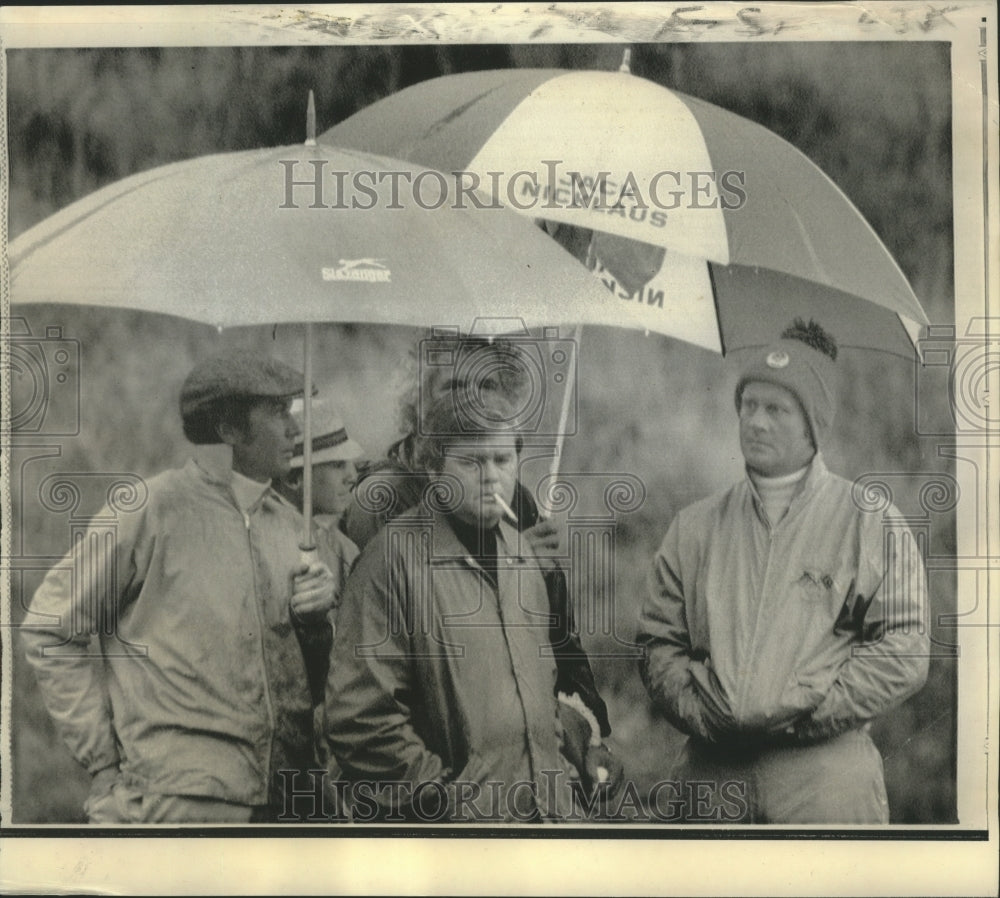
x,y
564,411
307,429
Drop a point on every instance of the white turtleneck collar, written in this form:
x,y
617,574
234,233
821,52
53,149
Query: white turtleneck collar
x,y
776,493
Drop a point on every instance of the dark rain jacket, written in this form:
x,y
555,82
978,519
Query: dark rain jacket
x,y
389,487
434,667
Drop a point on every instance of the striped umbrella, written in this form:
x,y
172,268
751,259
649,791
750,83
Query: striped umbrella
x,y
705,225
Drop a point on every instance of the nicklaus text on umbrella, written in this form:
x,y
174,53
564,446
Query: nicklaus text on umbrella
x,y
313,184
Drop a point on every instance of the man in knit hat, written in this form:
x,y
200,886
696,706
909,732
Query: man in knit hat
x,y
195,706
782,618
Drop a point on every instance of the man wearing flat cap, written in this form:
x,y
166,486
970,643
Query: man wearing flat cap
x,y
782,618
197,708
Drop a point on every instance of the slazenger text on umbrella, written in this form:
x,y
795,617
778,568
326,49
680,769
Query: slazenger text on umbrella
x,y
542,189
369,270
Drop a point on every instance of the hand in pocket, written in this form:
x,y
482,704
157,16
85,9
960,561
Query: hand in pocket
x,y
107,800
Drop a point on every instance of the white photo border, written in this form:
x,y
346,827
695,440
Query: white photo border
x,y
629,863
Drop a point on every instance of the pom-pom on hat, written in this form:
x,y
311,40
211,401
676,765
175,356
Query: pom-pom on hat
x,y
801,361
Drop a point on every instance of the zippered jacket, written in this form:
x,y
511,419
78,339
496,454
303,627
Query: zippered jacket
x,y
392,486
196,683
434,668
802,630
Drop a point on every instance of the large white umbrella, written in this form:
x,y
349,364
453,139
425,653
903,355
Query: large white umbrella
x,y
245,238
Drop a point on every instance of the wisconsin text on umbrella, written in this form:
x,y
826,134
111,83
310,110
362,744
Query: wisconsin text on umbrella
x,y
542,189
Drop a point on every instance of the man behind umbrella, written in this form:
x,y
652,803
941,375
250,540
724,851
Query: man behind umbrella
x,y
782,618
190,709
334,474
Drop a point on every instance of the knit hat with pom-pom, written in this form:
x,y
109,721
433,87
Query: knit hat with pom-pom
x,y
801,361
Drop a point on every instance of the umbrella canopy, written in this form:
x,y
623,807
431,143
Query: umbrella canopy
x,y
687,202
249,238
302,234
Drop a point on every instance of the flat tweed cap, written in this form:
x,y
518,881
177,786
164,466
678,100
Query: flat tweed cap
x,y
242,373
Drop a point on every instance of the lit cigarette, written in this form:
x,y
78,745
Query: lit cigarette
x,y
507,510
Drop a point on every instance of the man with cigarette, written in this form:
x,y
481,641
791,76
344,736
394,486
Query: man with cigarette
x,y
491,366
442,678
782,617
195,707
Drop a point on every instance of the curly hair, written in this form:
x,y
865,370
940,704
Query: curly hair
x,y
449,420
457,363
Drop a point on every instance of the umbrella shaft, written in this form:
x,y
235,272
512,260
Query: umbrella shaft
x,y
307,429
567,399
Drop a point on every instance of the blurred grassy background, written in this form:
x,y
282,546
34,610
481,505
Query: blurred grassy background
x,y
875,117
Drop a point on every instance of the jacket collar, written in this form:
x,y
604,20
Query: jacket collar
x,y
446,546
214,464
249,493
817,472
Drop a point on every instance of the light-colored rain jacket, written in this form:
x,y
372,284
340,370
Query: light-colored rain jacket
x,y
432,666
198,684
808,628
